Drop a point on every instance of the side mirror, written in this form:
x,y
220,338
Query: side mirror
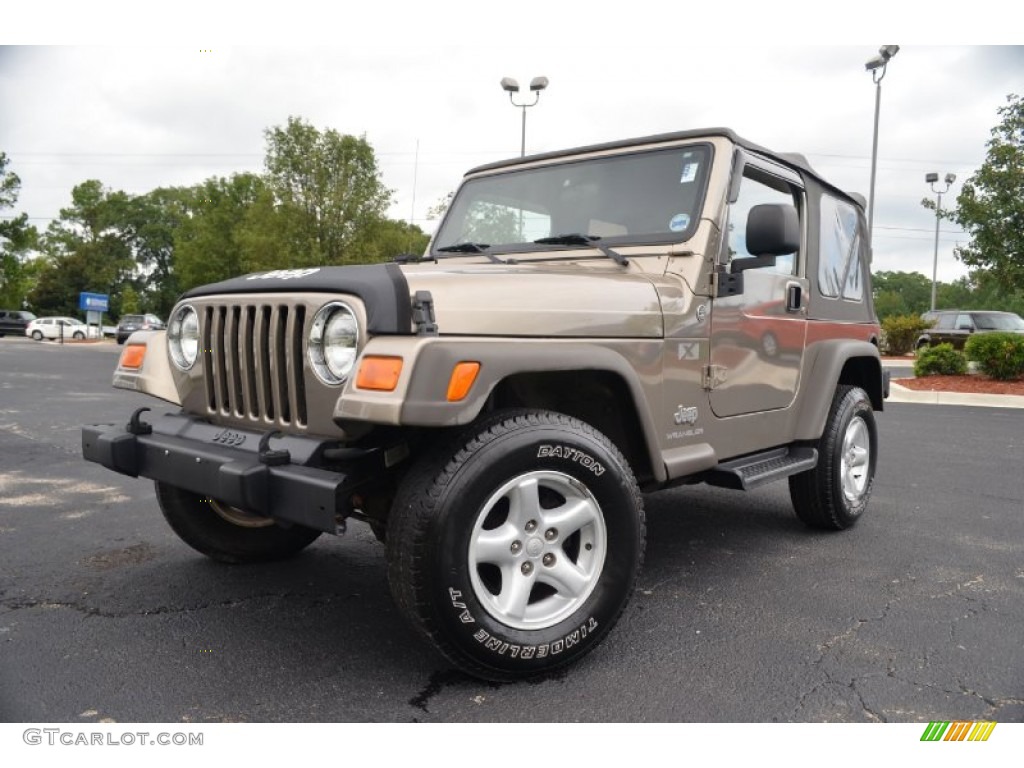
x,y
773,230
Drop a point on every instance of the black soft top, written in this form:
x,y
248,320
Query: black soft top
x,y
790,159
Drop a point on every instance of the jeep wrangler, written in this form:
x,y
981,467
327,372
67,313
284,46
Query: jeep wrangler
x,y
584,326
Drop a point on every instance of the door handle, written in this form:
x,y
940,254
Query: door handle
x,y
794,297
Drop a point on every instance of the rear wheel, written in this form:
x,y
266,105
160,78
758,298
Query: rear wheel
x,y
514,548
835,493
226,533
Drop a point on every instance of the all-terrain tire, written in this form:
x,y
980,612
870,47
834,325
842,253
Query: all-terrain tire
x,y
834,494
228,534
514,547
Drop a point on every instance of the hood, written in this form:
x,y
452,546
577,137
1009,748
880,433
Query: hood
x,y
522,300
381,288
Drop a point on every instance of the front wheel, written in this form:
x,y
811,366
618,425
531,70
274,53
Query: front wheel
x,y
835,493
515,547
78,335
226,533
37,335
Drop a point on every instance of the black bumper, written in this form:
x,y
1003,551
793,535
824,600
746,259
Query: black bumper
x,y
227,465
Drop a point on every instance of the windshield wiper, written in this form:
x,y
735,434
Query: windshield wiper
x,y
412,258
575,238
471,248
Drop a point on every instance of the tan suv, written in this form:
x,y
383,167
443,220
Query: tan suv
x,y
585,326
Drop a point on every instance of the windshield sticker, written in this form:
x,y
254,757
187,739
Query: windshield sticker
x,y
679,222
689,173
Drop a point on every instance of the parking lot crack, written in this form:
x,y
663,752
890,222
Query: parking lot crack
x,y
829,645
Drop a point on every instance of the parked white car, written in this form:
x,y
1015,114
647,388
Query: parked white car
x,y
50,328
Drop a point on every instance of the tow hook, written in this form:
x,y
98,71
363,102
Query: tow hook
x,y
137,427
269,457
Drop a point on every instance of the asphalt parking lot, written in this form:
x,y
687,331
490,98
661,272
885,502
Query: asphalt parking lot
x,y
741,614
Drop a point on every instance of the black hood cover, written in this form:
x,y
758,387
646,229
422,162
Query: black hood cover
x,y
381,287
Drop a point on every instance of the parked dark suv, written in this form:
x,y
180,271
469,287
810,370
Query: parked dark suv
x,y
131,323
13,321
955,326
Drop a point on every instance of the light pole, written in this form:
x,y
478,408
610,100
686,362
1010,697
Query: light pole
x,y
537,85
932,179
876,67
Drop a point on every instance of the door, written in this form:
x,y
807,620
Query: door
x,y
758,335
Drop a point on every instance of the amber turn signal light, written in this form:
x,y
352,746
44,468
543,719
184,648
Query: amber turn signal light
x,y
380,373
133,356
463,376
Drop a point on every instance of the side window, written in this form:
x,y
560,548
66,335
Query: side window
x,y
839,258
964,323
759,188
945,322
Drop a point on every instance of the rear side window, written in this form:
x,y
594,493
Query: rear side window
x,y
839,268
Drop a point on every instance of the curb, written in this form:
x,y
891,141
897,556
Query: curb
x,y
900,394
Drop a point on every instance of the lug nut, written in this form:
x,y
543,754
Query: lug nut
x,y
531,526
549,559
516,546
527,568
551,534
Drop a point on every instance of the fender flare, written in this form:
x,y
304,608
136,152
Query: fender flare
x,y
426,402
828,367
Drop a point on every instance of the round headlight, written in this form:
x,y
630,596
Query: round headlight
x,y
183,337
333,342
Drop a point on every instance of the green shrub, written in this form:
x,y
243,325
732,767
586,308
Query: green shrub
x,y
941,360
998,354
901,331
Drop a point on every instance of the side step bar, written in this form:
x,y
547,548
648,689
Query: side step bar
x,y
757,469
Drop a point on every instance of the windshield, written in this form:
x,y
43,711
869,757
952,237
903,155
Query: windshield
x,y
998,322
642,197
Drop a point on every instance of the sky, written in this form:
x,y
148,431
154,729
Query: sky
x,y
193,95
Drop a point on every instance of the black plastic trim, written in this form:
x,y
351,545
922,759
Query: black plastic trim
x,y
192,454
382,288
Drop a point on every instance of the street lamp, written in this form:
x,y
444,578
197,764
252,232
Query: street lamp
x,y
537,85
932,179
876,66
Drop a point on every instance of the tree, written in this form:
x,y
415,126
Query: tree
x,y
130,301
87,250
149,223
901,293
17,239
990,207
221,234
327,193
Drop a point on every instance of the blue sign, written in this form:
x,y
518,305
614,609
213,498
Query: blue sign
x,y
96,302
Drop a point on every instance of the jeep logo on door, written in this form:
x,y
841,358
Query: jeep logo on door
x,y
227,437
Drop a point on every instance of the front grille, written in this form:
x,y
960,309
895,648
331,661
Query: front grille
x,y
252,357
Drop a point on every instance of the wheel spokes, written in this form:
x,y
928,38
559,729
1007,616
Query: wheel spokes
x,y
570,580
524,502
496,546
552,534
570,517
515,592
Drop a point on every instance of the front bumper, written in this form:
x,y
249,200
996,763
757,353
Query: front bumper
x,y
280,477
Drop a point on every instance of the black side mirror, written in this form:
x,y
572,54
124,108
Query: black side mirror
x,y
773,230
